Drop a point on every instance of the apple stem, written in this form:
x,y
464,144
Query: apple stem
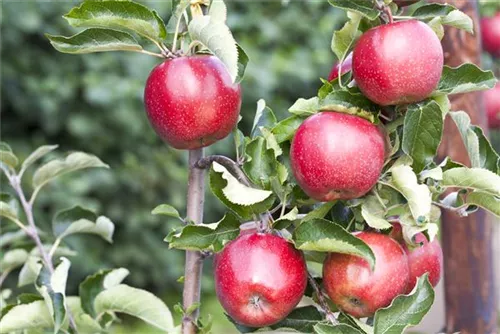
x,y
322,301
194,259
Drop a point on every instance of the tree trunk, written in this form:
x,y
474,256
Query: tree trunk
x,y
467,242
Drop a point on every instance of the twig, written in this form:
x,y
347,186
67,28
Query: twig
x,y
228,163
322,301
194,259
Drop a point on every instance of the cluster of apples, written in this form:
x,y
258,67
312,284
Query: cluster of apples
x,y
490,33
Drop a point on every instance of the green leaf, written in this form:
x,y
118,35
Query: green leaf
x,y
119,15
94,40
178,6
436,25
217,38
13,258
8,238
305,107
472,178
337,329
459,20
485,201
479,149
350,103
7,157
374,213
418,196
218,10
79,220
343,39
286,220
218,183
430,11
405,310
7,211
243,60
463,79
285,129
37,154
422,132
53,289
319,212
212,237
58,167
96,283
272,144
84,322
260,164
446,14
301,319
29,271
26,316
264,117
363,7
325,236
137,303
167,210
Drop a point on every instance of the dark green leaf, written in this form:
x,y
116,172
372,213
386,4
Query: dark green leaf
x,y
444,14
363,7
319,212
301,319
422,132
63,219
94,40
338,329
326,236
350,103
167,210
463,79
285,129
119,15
243,60
405,310
430,11
260,164
212,237
286,220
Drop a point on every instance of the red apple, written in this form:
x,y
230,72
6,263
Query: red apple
x,y
337,156
492,104
402,3
192,102
259,279
358,290
346,66
490,34
426,258
398,63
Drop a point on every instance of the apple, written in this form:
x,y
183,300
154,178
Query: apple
x,y
426,258
398,63
490,34
492,104
337,156
403,3
346,66
191,102
259,279
355,288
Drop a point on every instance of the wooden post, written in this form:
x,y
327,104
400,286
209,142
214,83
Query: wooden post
x,y
467,242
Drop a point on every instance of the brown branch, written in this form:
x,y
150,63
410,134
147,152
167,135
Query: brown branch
x,y
322,301
228,163
194,259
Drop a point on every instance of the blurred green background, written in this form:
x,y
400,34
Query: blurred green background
x,y
94,103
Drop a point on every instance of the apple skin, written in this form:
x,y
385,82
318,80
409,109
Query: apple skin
x,y
259,279
191,102
337,156
492,104
490,34
403,3
426,258
346,67
398,63
354,288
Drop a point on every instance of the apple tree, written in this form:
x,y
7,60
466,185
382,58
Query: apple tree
x,y
332,212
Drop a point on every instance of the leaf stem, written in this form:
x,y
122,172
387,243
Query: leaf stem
x,y
149,53
322,301
54,247
194,259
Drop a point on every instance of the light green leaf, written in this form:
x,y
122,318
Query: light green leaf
x,y
212,237
264,117
29,271
79,220
167,210
7,238
13,258
463,79
363,7
7,157
218,10
459,20
7,211
286,128
94,40
472,178
418,196
94,284
26,316
260,163
321,328
436,25
446,14
343,39
319,212
271,142
374,213
119,15
84,322
37,154
237,192
305,107
422,132
217,38
325,236
405,310
434,173
485,201
286,220
57,167
137,303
